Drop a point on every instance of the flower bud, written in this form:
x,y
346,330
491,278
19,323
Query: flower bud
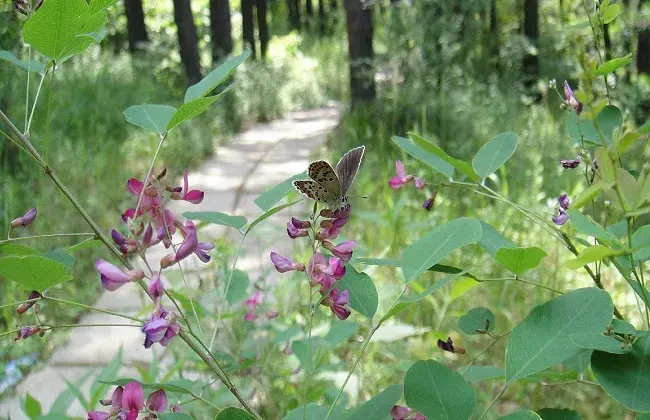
x,y
26,219
161,173
167,261
24,307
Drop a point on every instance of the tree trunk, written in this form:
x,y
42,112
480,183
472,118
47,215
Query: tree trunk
x,y
187,40
136,28
494,32
643,51
531,32
296,9
220,30
309,11
321,17
360,29
248,25
262,27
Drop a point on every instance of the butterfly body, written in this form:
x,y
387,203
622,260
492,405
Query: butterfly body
x,y
330,186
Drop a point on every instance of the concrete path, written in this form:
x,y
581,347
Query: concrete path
x,y
255,160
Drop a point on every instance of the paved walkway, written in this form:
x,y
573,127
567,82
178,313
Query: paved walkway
x,y
255,160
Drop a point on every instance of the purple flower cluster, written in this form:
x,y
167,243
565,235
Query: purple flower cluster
x,y
128,402
401,179
322,271
562,216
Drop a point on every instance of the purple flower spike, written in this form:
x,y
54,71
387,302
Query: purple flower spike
x,y
26,332
26,219
133,398
190,243
339,301
295,232
157,401
571,163
561,218
399,412
112,277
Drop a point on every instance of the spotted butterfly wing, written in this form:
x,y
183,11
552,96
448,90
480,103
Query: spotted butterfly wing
x,y
348,167
315,191
321,172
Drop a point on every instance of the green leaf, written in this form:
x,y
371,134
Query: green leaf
x,y
613,65
608,120
91,32
586,196
628,187
340,331
377,407
491,240
314,412
33,272
66,398
558,414
520,260
363,294
269,198
54,26
192,109
233,413
589,255
17,250
605,165
97,5
78,394
150,117
438,243
641,243
109,373
438,392
587,226
477,321
610,13
494,154
424,156
270,213
579,362
405,301
462,166
217,218
32,406
521,415
383,262
174,416
215,78
542,339
238,287
626,377
483,373
627,141
600,342
32,65
623,327
63,258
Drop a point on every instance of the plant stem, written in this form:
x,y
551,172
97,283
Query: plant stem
x,y
9,332
473,359
29,67
53,327
503,389
90,308
51,235
225,292
600,57
523,281
31,115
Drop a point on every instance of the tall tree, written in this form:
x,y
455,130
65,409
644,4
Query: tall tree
x,y
136,28
361,54
531,32
321,17
643,51
494,32
262,26
248,24
309,12
187,40
220,29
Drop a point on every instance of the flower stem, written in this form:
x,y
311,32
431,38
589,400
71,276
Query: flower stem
x,y
473,359
31,115
90,308
53,327
503,389
9,332
523,281
50,235
18,303
600,57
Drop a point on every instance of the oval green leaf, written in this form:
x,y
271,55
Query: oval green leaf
x,y
425,157
477,321
33,272
460,165
363,294
520,260
438,243
558,414
32,65
150,116
215,77
613,65
626,377
438,392
598,342
378,406
542,339
272,196
313,412
192,109
589,255
233,413
494,154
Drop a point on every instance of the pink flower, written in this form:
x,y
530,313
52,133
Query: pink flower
x,y
98,415
283,264
342,250
419,416
330,229
26,219
419,183
570,98
295,232
156,288
300,224
399,412
250,316
157,401
191,196
133,398
160,328
191,245
254,300
127,245
26,332
400,179
337,303
113,277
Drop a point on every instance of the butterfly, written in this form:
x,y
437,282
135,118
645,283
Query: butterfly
x,y
330,186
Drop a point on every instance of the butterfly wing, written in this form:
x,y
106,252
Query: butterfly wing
x,y
315,191
348,167
321,172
